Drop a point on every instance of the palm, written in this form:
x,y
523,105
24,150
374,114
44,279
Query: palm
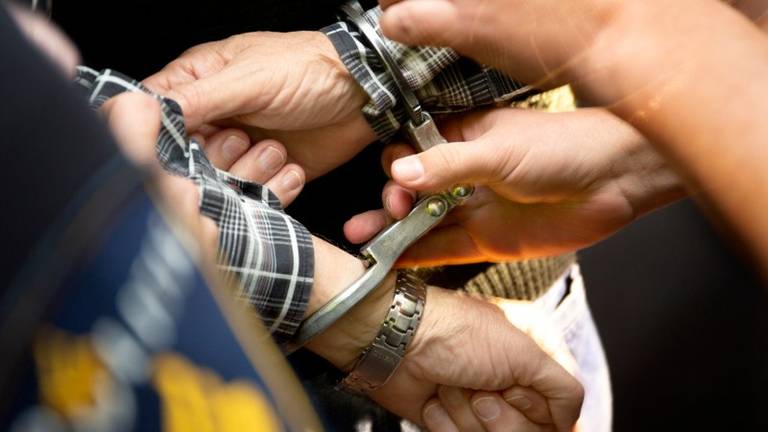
x,y
502,229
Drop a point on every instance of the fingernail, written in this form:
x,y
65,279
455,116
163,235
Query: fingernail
x,y
233,147
436,417
520,402
486,408
291,180
408,169
388,203
271,160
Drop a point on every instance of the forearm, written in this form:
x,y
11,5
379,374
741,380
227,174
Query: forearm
x,y
642,175
705,105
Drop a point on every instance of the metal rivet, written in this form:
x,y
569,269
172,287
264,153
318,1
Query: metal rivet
x,y
462,191
436,207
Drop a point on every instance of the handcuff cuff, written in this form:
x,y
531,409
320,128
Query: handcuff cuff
x,y
379,361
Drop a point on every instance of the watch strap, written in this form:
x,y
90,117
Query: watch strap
x,y
380,359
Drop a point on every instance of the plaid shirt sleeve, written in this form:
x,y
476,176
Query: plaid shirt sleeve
x,y
443,81
263,252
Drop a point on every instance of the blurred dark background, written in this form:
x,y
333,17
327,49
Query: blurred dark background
x,y
683,322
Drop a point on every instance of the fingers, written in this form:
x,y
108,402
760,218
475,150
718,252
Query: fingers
x,y
206,100
203,82
497,416
563,392
361,228
196,63
287,184
456,409
175,73
424,22
545,376
529,402
261,162
436,418
134,119
455,401
265,163
392,153
442,166
479,151
397,200
226,147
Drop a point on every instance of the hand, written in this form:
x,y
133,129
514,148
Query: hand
x,y
465,342
288,86
522,406
547,184
517,408
462,341
509,35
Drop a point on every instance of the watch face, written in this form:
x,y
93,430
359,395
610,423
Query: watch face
x,y
112,326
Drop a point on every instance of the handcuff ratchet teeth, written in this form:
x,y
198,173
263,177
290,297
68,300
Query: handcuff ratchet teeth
x,y
381,252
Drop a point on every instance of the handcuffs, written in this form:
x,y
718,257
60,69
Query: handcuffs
x,y
381,252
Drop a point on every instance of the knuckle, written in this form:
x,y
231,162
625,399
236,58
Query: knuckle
x,y
187,98
497,161
447,157
197,48
236,43
577,390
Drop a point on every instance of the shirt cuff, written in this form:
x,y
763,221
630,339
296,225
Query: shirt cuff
x,y
443,82
419,66
267,255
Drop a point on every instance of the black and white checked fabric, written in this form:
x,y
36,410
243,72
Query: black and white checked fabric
x,y
263,251
443,81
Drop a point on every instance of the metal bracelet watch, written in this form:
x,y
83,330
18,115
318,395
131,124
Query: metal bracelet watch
x,y
380,360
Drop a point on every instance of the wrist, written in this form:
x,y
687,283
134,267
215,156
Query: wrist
x,y
353,94
600,76
343,342
643,177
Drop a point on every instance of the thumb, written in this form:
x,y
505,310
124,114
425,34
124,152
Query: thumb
x,y
424,22
134,120
447,164
204,100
